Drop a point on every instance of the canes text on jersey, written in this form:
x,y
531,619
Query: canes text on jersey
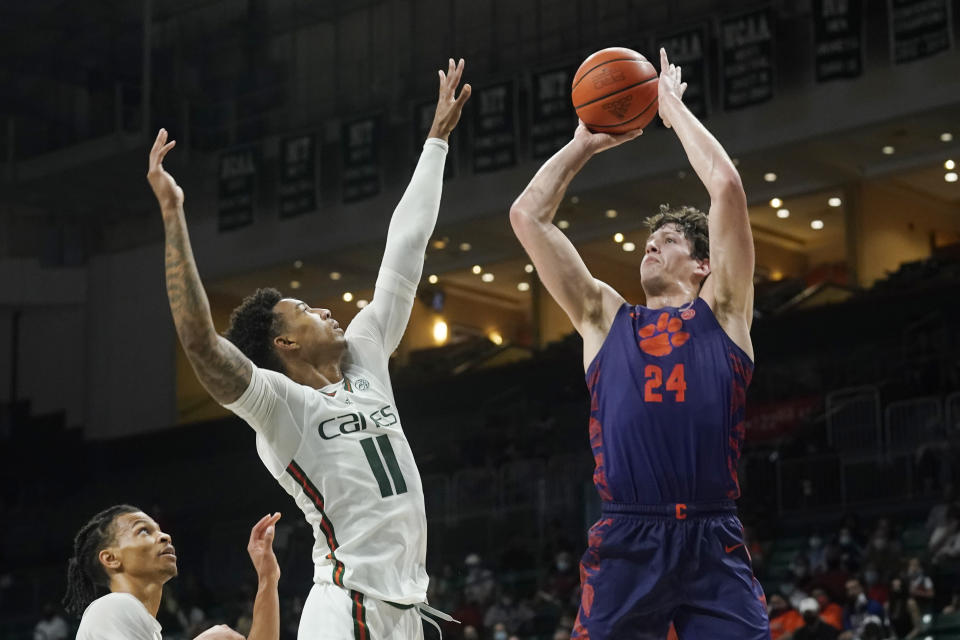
x,y
332,428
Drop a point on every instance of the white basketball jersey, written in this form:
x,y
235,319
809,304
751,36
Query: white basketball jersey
x,y
341,453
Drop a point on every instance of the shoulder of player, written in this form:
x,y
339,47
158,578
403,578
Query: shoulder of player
x,y
116,607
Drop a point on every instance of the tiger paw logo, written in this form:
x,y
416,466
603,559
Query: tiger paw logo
x,y
662,337
619,106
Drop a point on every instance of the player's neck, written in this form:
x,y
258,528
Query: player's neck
x,y
149,593
317,376
678,299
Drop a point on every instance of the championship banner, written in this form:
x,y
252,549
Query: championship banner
x,y
775,420
688,49
494,127
746,48
838,38
237,188
919,29
422,121
360,141
298,175
552,118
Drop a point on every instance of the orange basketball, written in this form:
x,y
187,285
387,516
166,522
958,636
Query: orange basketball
x,y
615,91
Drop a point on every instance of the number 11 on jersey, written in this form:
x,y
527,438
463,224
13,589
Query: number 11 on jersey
x,y
373,448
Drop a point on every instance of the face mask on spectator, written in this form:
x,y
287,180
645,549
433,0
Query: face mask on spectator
x,y
562,564
499,634
879,543
870,577
816,542
845,538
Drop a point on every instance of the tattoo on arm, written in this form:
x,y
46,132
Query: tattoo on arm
x,y
222,369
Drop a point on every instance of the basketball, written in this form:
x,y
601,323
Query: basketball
x,y
615,91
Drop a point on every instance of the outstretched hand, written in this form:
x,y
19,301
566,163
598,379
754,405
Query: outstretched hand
x,y
669,87
449,105
260,548
165,188
597,142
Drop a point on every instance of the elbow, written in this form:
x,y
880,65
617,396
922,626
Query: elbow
x,y
519,217
727,185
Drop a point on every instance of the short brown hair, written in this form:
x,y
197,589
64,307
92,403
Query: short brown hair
x,y
691,222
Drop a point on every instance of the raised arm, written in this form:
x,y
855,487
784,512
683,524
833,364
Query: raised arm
x,y
266,606
730,284
221,368
589,303
383,321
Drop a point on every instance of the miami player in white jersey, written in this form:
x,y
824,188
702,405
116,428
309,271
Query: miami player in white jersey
x,y
320,401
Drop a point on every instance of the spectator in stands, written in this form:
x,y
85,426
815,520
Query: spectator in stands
x,y
816,553
479,583
902,610
784,619
814,628
859,607
561,634
877,588
830,612
499,631
834,580
505,611
564,579
470,633
920,585
944,545
850,549
51,625
938,513
883,552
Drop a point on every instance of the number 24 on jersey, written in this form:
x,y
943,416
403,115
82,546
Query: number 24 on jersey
x,y
675,383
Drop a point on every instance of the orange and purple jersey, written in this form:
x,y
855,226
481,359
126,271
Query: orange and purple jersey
x,y
668,390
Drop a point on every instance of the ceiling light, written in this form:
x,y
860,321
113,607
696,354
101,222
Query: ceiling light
x,y
681,174
783,213
439,244
528,268
888,150
946,136
816,224
439,331
465,246
298,264
347,296
495,337
834,202
574,199
735,161
487,277
629,246
618,237
334,275
950,177
949,165
361,303
776,203
611,213
776,275
770,176
433,278
563,224
477,269
294,284
523,286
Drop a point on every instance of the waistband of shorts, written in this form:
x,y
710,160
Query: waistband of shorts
x,y
673,510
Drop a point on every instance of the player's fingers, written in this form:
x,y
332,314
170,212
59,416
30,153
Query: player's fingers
x,y
458,73
162,153
664,63
683,87
464,95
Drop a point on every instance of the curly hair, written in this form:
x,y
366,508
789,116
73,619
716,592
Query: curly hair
x,y
86,577
691,222
254,325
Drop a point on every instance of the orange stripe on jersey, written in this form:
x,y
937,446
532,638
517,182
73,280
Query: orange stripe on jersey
x,y
325,525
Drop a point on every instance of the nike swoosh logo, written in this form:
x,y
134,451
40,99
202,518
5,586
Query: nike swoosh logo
x,y
729,549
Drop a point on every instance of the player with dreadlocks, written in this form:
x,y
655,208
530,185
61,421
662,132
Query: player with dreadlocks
x,y
123,551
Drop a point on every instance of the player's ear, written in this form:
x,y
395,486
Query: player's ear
x,y
285,344
703,267
109,559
